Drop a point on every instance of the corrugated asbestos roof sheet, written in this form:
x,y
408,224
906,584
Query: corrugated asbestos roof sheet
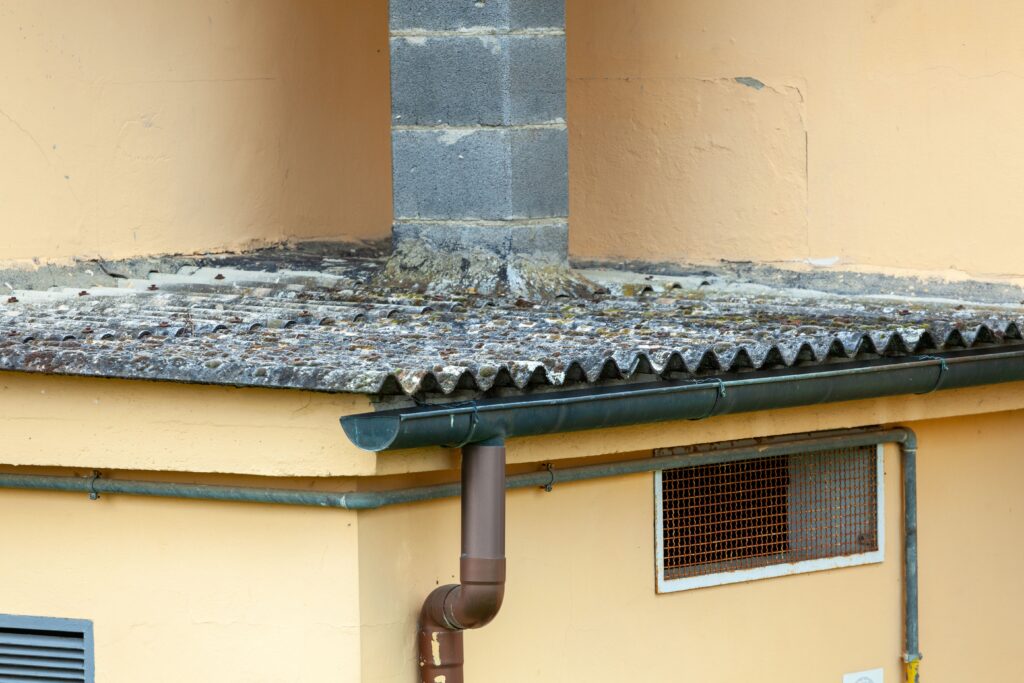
x,y
332,330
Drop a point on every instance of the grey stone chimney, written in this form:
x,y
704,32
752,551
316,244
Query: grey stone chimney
x,y
480,146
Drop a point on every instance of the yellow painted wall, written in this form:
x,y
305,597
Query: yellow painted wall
x,y
151,127
581,603
972,594
188,591
50,421
885,135
213,579
161,426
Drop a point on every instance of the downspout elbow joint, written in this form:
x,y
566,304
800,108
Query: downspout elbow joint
x,y
477,601
450,610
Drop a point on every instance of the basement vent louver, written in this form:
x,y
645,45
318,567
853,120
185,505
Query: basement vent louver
x,y
724,522
44,650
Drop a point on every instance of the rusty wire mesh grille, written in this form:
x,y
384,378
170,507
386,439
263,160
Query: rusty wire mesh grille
x,y
746,514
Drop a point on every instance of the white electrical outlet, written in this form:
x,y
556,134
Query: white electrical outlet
x,y
873,676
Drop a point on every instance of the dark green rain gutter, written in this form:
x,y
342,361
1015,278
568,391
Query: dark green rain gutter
x,y
455,425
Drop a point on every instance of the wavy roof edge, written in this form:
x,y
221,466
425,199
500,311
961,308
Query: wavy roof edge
x,y
520,375
315,317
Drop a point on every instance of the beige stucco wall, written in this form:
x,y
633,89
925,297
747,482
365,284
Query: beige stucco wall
x,y
238,585
162,426
112,425
188,591
885,136
581,603
151,127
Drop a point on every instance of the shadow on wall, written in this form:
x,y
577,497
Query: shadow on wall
x,y
157,127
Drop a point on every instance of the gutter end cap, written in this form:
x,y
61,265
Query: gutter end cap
x,y
369,432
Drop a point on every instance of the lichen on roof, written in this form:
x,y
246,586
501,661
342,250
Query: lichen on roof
x,y
324,324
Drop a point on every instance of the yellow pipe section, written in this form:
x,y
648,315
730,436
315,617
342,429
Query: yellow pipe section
x,y
912,674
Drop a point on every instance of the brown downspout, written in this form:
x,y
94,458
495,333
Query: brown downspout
x,y
450,610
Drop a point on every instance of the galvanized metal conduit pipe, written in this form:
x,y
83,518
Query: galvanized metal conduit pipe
x,y
912,655
372,500
97,486
377,499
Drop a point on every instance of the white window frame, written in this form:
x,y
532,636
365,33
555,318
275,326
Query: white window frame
x,y
741,575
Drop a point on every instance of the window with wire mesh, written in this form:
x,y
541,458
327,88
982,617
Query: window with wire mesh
x,y
747,514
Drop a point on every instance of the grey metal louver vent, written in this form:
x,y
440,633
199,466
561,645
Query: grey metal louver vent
x,y
45,650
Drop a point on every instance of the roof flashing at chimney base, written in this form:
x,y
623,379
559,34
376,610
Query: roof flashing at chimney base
x,y
518,259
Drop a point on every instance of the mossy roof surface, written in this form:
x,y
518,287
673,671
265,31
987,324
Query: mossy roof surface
x,y
324,324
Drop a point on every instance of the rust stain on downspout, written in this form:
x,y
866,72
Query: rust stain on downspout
x,y
476,600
